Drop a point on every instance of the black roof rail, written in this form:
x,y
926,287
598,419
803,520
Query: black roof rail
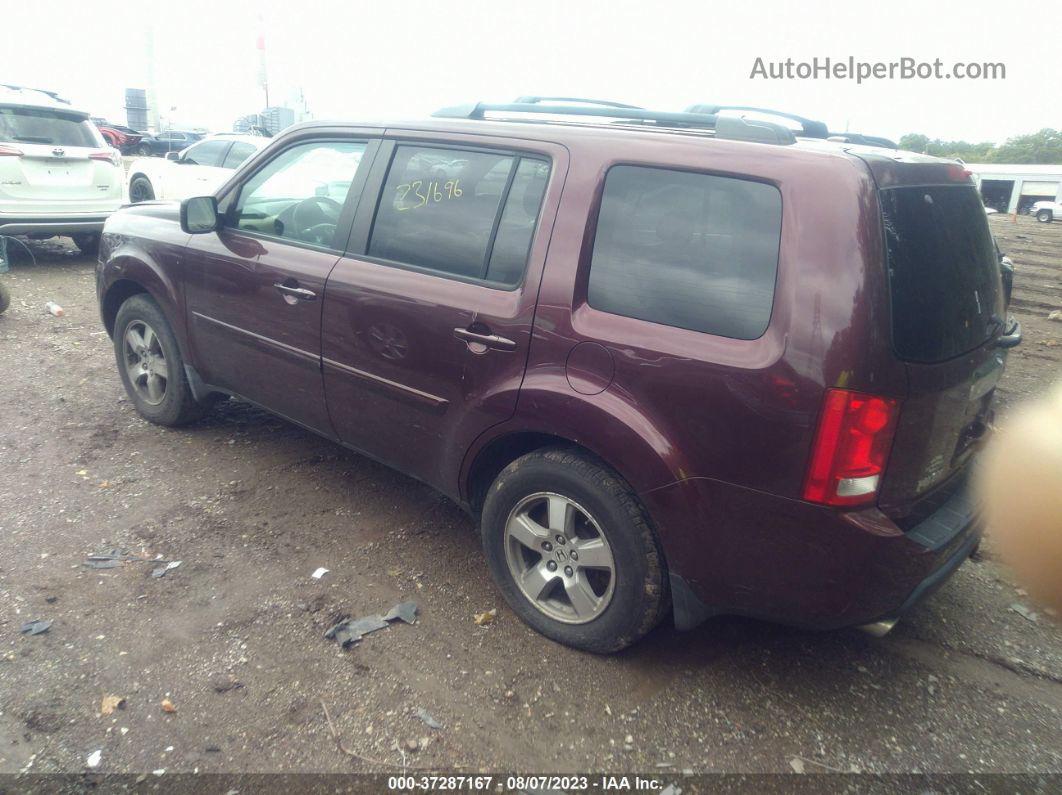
x,y
811,128
866,140
734,129
602,102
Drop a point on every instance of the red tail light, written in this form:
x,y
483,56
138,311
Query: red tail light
x,y
10,151
851,448
112,156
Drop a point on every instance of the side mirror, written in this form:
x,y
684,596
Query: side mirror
x,y
175,156
199,215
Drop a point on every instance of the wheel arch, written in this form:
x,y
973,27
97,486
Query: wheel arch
x,y
117,294
496,454
129,275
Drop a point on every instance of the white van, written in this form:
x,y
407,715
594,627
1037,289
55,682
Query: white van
x,y
57,175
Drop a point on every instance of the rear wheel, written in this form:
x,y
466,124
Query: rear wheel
x,y
150,365
89,244
140,189
1044,216
144,150
572,551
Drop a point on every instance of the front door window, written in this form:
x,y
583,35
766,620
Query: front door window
x,y
299,195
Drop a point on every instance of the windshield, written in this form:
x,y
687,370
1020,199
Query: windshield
x,y
43,126
943,271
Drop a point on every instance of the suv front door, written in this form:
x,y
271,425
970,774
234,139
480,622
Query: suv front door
x,y
254,288
427,318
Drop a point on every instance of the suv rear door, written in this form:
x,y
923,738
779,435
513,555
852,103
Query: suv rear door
x,y
54,161
947,315
427,318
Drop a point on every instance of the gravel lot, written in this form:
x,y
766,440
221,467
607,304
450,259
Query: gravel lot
x,y
233,637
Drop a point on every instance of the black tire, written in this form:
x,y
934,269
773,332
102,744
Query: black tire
x,y
88,244
144,150
140,189
1044,216
177,405
639,594
5,299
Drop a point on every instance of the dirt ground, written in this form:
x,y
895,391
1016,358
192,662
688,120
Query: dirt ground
x,y
233,637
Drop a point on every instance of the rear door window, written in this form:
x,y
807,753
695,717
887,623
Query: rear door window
x,y
947,294
460,213
49,127
690,250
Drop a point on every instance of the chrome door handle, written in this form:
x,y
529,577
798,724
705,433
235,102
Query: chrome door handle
x,y
297,292
490,340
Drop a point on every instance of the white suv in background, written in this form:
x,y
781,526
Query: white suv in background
x,y
57,174
198,170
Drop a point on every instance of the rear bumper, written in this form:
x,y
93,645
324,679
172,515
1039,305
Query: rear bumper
x,y
784,560
55,225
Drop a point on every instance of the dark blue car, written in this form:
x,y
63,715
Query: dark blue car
x,y
168,141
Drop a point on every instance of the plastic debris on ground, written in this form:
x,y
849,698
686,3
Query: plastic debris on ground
x,y
403,611
35,627
351,630
483,619
54,309
94,759
1024,612
116,557
319,573
168,706
161,570
428,720
110,704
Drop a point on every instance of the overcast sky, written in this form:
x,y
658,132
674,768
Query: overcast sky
x,y
357,59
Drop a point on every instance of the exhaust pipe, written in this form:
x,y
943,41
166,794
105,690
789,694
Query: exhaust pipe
x,y
879,629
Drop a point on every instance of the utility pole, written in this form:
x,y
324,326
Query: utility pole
x,y
263,75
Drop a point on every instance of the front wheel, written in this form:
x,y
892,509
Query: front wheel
x,y
144,150
572,551
1044,216
140,189
150,365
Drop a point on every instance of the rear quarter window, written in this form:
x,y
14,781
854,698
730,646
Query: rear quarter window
x,y
944,276
690,250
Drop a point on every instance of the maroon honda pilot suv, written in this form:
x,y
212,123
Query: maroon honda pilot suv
x,y
683,363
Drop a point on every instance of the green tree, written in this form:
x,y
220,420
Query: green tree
x,y
961,150
1042,147
915,142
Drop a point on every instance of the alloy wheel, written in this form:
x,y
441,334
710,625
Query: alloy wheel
x,y
145,362
559,558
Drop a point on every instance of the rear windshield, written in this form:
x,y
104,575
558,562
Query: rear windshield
x,y
943,271
42,126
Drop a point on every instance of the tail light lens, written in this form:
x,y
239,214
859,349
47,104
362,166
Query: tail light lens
x,y
112,156
851,448
10,151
